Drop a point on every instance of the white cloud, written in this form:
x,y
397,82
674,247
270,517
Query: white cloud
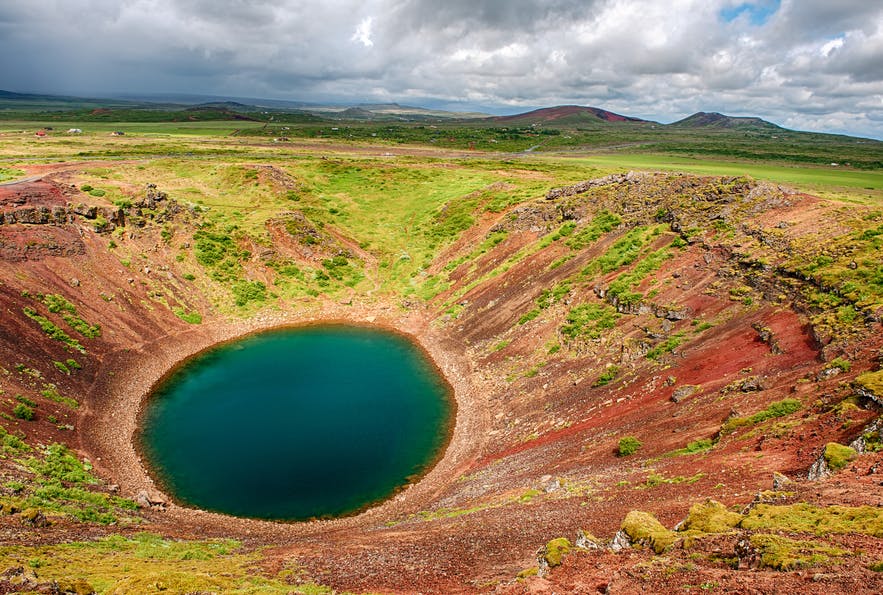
x,y
813,62
363,33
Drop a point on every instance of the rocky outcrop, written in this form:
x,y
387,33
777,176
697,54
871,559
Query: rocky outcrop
x,y
145,499
682,392
155,206
766,335
583,187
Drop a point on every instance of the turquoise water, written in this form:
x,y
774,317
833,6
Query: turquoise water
x,y
299,423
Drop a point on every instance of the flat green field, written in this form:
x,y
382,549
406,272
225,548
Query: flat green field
x,y
835,182
59,129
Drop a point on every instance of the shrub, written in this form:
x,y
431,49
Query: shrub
x,y
628,445
607,376
249,291
24,412
25,400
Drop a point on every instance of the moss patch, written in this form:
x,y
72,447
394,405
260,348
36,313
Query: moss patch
x,y
711,517
643,528
555,551
871,381
808,518
780,553
838,456
147,563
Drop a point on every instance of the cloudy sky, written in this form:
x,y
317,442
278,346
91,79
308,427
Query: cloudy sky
x,y
805,64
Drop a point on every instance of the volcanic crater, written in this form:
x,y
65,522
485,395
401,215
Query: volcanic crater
x,y
666,308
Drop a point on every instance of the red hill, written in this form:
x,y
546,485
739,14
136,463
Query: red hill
x,y
566,114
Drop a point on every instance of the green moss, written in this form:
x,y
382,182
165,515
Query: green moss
x,y
644,529
10,444
51,393
90,331
528,572
876,566
871,381
589,321
245,292
193,317
820,520
838,456
843,364
607,376
61,464
666,346
602,223
774,410
52,330
555,551
528,316
711,517
656,479
694,447
149,564
628,445
781,553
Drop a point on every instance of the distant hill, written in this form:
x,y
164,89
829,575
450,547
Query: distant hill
x,y
716,120
566,114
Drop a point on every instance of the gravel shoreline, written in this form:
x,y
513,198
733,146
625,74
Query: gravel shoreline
x,y
128,376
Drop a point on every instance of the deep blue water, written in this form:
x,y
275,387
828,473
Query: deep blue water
x,y
298,423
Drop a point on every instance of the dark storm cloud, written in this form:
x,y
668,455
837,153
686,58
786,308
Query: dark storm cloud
x,y
807,63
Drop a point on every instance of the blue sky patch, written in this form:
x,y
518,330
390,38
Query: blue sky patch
x,y
758,12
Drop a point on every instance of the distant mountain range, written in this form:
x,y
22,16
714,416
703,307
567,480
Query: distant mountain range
x,y
240,108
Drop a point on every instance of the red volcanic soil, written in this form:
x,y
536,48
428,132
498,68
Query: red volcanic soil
x,y
552,114
534,453
35,194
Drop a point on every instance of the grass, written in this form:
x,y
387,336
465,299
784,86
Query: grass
x,y
831,182
192,317
693,447
52,330
588,321
666,346
150,564
773,410
607,376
